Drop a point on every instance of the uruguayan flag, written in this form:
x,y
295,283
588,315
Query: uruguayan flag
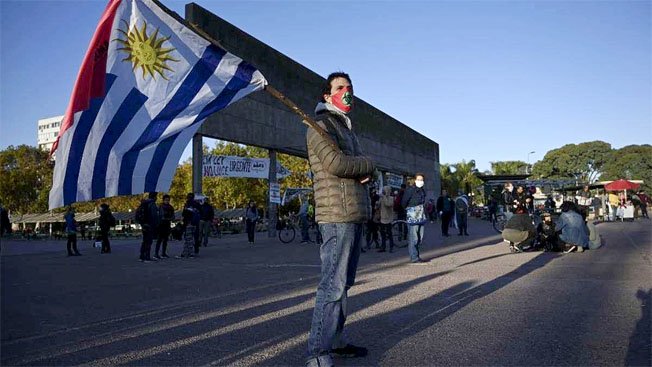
x,y
145,86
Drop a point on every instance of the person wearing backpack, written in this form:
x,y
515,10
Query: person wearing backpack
x,y
166,213
462,213
106,221
148,218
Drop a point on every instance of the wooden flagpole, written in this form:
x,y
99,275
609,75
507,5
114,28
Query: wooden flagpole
x,y
306,119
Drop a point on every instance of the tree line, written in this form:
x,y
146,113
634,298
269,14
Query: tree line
x,y
26,175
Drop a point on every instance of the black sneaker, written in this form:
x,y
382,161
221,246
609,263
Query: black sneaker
x,y
350,351
165,256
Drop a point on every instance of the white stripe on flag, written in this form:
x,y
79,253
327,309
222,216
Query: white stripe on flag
x,y
116,95
172,161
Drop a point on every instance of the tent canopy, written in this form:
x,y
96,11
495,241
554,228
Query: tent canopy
x,y
621,185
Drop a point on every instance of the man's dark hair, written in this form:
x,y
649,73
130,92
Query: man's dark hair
x,y
166,196
190,196
569,206
327,87
419,174
152,195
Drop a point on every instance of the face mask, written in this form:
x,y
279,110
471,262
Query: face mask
x,y
418,184
343,99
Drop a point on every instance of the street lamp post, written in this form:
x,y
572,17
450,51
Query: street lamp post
x,y
527,167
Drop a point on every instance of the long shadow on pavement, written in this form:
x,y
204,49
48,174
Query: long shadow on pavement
x,y
639,352
412,319
152,348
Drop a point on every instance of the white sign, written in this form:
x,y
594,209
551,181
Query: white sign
x,y
230,166
394,180
275,193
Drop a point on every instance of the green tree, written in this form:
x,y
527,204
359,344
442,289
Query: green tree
x,y
509,167
461,176
631,162
26,174
235,192
583,162
448,179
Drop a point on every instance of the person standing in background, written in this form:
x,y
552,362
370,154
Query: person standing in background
x,y
71,231
166,211
251,217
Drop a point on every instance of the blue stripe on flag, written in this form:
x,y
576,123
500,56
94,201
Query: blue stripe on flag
x,y
123,116
240,80
197,77
78,143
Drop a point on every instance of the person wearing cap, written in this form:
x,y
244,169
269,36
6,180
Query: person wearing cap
x,y
547,234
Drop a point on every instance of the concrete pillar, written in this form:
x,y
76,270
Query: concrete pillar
x,y
197,159
272,208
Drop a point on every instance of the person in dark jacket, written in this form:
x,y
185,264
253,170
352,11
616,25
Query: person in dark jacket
x,y
414,202
547,234
207,216
372,225
149,224
194,209
462,213
522,198
166,216
446,208
5,224
106,221
519,230
71,231
508,198
400,213
251,217
342,205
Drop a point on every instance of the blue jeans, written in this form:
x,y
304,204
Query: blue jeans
x,y
305,236
415,235
339,254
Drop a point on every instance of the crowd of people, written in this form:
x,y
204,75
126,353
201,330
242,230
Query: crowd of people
x,y
571,232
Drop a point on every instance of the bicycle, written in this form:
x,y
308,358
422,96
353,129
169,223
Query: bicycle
x,y
498,221
288,228
214,230
400,233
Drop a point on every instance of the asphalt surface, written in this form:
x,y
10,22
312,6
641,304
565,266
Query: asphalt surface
x,y
474,303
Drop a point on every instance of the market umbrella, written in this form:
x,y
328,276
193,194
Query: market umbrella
x,y
621,185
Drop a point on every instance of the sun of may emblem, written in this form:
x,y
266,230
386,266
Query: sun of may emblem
x,y
146,50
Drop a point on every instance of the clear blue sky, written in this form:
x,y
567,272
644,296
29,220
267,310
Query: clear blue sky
x,y
487,80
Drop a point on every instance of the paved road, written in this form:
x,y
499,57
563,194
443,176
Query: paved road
x,y
473,304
